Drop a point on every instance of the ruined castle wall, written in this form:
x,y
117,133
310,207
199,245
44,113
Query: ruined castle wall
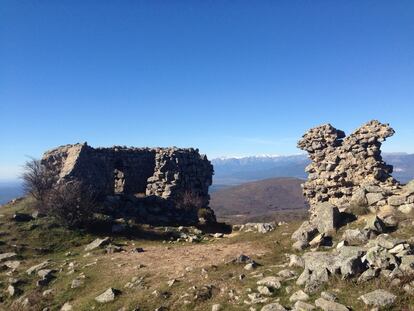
x,y
178,171
163,172
341,165
128,169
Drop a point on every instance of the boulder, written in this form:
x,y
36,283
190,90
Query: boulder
x,y
407,264
66,307
359,198
378,298
355,236
296,261
368,275
373,198
328,296
396,200
270,281
378,256
216,307
7,256
97,243
300,245
406,208
305,232
409,188
38,267
327,217
108,295
303,306
300,295
327,305
265,227
376,224
264,290
273,307
386,241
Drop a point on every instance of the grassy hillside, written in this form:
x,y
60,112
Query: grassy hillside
x,y
168,274
276,198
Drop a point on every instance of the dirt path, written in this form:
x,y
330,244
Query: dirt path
x,y
172,261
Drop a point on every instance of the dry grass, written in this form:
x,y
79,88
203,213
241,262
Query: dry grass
x,y
163,262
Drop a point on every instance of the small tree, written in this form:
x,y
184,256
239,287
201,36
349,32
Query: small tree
x,y
37,180
72,204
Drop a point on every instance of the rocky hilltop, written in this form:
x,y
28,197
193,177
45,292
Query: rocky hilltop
x,y
355,251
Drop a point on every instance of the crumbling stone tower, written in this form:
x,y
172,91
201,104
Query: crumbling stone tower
x,y
343,164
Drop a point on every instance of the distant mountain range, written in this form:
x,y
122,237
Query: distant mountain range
x,y
235,171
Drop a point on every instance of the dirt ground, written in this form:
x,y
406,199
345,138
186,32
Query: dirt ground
x,y
173,261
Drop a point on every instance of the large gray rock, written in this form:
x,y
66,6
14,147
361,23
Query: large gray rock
x,y
305,232
380,258
327,305
327,217
407,264
359,198
300,295
303,306
355,236
97,244
349,261
386,241
378,298
375,223
273,307
7,256
396,200
38,267
270,281
368,275
409,188
107,296
373,198
406,208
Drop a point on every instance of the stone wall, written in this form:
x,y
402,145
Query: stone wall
x,y
166,173
345,169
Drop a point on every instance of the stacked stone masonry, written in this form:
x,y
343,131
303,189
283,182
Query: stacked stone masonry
x,y
165,173
348,170
347,173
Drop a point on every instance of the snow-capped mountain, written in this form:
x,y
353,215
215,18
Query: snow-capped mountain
x,y
237,170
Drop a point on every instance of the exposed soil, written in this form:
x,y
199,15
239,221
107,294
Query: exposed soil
x,y
172,261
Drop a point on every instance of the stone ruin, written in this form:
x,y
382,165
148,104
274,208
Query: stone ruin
x,y
145,181
347,173
349,169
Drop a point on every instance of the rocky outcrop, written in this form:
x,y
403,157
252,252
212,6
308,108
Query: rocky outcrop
x,y
168,175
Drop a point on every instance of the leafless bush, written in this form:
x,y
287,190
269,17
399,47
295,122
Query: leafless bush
x,y
190,201
37,180
72,204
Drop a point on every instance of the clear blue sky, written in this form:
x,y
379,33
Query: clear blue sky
x,y
229,77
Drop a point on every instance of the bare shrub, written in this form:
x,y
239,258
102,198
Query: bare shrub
x,y
37,180
72,204
190,201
